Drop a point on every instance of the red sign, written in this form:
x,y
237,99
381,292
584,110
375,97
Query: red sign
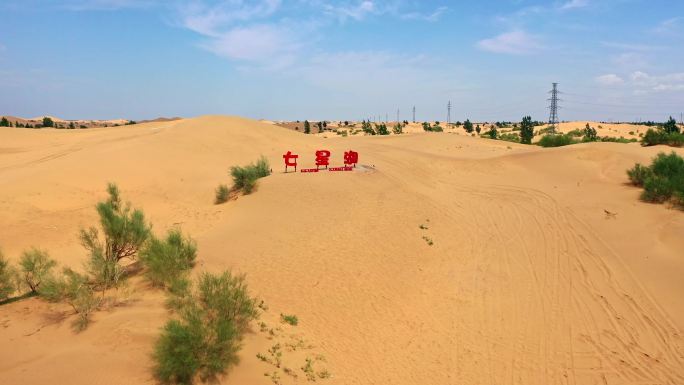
x,y
322,157
351,158
290,160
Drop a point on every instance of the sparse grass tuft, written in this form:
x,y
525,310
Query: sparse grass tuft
x,y
289,319
556,140
222,194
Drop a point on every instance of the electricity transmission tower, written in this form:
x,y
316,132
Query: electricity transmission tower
x,y
448,113
414,114
553,108
397,115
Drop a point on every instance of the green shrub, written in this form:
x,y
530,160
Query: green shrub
x,y
559,140
222,194
168,260
36,267
244,178
575,133
492,133
662,181
639,174
205,340
6,279
76,290
398,129
289,319
589,134
655,137
468,126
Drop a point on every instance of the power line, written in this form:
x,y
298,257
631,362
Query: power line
x,y
553,108
448,113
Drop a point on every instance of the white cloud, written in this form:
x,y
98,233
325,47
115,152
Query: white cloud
x,y
645,83
106,5
609,80
670,27
516,42
432,17
349,11
573,4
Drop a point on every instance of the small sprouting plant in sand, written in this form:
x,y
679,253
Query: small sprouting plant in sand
x,y
290,372
204,339
7,278
289,319
168,260
245,178
309,370
662,181
428,240
222,194
36,266
324,374
76,290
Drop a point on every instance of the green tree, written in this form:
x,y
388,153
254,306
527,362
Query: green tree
x,y
205,339
671,126
398,129
367,128
468,126
526,130
589,134
381,129
36,267
426,126
307,127
47,122
478,129
4,122
125,231
6,278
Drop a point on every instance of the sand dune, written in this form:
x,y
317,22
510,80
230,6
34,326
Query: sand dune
x,y
527,281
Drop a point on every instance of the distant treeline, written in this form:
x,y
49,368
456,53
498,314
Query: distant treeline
x,y
49,123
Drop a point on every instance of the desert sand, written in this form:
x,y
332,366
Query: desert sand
x,y
528,280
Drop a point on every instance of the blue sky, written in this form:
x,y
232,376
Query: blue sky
x,y
348,59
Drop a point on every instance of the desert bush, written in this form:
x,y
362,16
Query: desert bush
x,y
307,127
398,129
168,260
222,194
244,178
6,278
559,140
493,133
662,181
367,128
381,129
206,338
575,133
36,267
526,130
76,290
638,174
510,137
660,136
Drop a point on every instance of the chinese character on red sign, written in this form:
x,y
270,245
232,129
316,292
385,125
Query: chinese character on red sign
x,y
351,158
322,157
290,160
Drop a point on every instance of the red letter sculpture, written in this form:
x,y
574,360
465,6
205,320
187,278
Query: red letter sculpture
x,y
290,160
322,157
351,158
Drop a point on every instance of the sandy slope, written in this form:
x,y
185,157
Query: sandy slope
x,y
528,280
